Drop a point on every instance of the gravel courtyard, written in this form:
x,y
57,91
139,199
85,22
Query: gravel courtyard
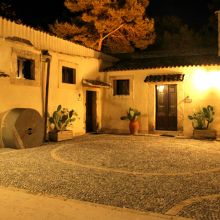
x,y
179,177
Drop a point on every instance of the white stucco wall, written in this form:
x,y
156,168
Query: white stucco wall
x,y
14,93
23,93
73,96
199,89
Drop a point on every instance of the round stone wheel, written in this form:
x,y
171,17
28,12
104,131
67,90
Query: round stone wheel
x,y
22,128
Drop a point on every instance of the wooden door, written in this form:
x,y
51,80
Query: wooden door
x,y
90,111
166,107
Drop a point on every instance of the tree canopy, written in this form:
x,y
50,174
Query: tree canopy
x,y
6,10
113,25
175,29
173,32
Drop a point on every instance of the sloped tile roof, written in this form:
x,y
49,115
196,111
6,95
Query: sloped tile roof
x,y
163,78
164,62
3,74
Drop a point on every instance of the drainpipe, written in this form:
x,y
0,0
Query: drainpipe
x,y
218,14
46,57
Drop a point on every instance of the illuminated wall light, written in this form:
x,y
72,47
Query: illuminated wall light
x,y
160,88
204,80
200,80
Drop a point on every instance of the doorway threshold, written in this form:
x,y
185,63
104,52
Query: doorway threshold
x,y
168,133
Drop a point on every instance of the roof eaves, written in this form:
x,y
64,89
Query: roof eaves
x,y
157,63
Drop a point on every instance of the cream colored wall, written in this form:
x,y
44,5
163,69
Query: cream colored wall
x,y
203,88
21,93
200,88
14,94
73,96
116,106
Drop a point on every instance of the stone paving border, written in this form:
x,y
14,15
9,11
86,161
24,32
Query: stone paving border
x,y
8,151
179,207
55,156
19,204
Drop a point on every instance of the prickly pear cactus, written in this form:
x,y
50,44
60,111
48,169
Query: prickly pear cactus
x,y
62,118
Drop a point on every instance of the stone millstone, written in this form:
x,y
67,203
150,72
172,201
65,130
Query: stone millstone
x,y
22,128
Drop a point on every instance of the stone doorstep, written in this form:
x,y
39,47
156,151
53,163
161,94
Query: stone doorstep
x,y
18,204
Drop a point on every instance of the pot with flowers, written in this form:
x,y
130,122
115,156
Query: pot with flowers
x,y
201,121
132,116
59,123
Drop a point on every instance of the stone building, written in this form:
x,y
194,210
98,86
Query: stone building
x,y
165,88
41,71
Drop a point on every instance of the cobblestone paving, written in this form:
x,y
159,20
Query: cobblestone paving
x,y
207,209
146,173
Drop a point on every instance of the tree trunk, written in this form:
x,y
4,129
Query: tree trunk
x,y
100,43
101,38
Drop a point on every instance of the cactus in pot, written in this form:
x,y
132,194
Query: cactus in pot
x,y
132,115
201,121
208,114
61,118
202,118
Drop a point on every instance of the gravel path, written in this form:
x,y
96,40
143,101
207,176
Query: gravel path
x,y
169,171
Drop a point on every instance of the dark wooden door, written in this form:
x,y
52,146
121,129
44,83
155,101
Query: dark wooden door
x,y
166,107
90,111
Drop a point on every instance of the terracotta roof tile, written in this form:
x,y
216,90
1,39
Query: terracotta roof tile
x,y
164,62
163,78
3,74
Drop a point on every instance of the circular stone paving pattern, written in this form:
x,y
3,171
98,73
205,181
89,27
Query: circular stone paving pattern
x,y
203,210
151,157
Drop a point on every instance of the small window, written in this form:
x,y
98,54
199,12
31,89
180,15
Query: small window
x,y
68,75
25,68
121,87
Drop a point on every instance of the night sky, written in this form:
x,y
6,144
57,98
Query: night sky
x,y
41,12
193,12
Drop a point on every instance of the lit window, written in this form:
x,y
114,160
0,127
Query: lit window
x,y
68,75
25,68
121,87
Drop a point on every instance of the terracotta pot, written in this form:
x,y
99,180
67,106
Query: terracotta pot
x,y
134,126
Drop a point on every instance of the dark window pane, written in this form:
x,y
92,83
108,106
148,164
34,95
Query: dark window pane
x,y
121,87
68,75
25,68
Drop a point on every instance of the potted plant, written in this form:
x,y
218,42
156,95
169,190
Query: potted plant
x,y
60,120
132,116
201,121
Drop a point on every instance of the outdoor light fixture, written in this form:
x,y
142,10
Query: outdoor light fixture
x,y
160,88
204,79
79,98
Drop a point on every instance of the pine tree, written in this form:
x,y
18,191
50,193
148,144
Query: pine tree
x,y
116,25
